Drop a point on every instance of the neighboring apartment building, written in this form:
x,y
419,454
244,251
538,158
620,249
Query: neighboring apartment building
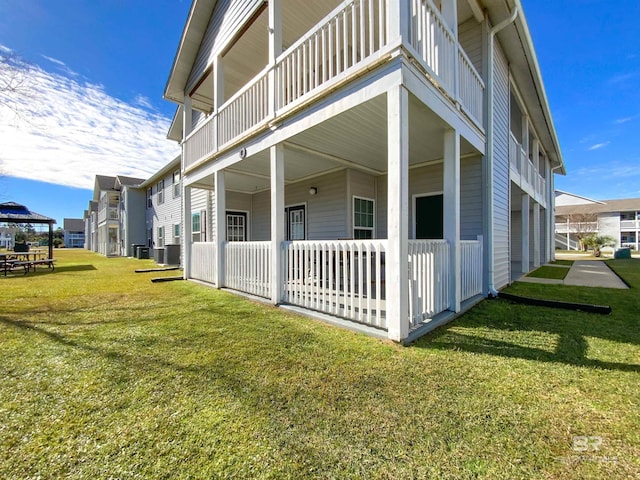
x,y
163,212
91,226
578,216
119,215
74,229
381,163
7,237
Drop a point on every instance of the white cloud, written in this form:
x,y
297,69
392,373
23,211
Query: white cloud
x,y
65,132
54,60
598,146
623,120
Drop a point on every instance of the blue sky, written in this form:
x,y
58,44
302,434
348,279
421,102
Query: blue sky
x,y
100,67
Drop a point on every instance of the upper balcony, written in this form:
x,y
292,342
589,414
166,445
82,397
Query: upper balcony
x,y
244,93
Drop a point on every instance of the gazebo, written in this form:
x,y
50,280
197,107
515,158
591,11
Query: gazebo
x,y
11,212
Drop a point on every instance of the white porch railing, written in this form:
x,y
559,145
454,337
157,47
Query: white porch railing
x,y
203,261
435,45
246,109
428,279
201,142
248,267
342,278
471,265
629,224
343,39
471,88
530,179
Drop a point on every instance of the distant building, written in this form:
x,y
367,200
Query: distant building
x,y
7,237
73,232
578,216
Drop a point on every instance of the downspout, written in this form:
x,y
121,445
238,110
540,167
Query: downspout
x,y
552,205
490,114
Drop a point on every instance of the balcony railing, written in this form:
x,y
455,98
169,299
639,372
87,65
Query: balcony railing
x,y
345,42
203,261
248,267
520,163
629,224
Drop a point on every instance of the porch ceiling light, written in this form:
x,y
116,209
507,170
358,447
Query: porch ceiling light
x,y
313,191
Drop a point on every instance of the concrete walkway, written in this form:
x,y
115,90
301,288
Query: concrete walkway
x,y
584,273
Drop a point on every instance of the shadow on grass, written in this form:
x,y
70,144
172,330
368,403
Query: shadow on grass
x,y
75,268
505,323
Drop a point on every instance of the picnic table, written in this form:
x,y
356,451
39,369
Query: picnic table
x,y
25,260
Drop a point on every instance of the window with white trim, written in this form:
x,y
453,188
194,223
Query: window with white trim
x,y
160,190
176,233
363,218
160,242
236,227
149,197
195,227
176,184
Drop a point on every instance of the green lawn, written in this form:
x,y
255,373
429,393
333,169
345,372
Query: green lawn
x,y
106,375
556,273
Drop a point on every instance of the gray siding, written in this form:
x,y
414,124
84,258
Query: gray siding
x,y
166,214
470,198
326,212
501,207
261,217
227,19
470,36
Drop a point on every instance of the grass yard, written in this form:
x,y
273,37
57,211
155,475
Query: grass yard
x,y
106,375
555,273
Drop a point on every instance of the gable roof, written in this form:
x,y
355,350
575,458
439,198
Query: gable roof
x,y
122,181
73,224
192,35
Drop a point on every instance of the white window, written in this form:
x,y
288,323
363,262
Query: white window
x,y
160,237
236,227
363,218
296,222
176,184
195,227
160,192
176,233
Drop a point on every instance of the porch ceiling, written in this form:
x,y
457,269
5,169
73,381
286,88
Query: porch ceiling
x,y
355,139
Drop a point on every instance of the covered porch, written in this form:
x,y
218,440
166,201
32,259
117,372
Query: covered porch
x,y
372,214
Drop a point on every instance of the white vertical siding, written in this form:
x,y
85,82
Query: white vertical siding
x,y
227,19
501,207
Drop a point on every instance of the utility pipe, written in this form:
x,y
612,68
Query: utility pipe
x,y
490,114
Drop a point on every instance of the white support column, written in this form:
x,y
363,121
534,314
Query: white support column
x,y
220,227
277,222
397,283
398,19
186,231
275,49
568,235
524,213
452,213
536,234
187,120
